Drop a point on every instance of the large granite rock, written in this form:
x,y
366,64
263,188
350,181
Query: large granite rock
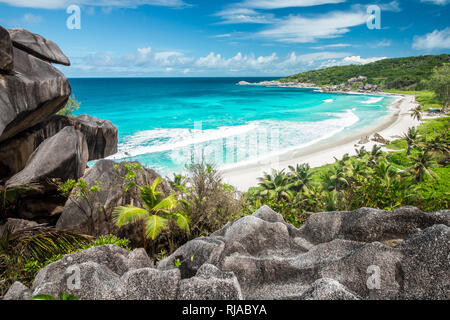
x,y
18,292
95,216
6,51
38,46
273,260
262,257
101,137
369,225
63,156
29,94
109,272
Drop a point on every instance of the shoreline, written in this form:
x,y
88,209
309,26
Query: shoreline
x,y
323,152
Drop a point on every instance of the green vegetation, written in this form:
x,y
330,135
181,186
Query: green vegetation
x,y
417,174
156,214
71,106
439,83
24,252
400,73
62,296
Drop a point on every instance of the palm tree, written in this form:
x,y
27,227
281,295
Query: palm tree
x,y
178,182
411,139
421,166
336,179
375,154
361,153
156,213
300,177
384,170
416,113
275,185
437,144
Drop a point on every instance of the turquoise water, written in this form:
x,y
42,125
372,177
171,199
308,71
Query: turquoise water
x,y
165,123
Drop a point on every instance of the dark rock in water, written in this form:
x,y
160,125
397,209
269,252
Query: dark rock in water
x,y
6,51
63,156
38,46
101,137
82,217
32,92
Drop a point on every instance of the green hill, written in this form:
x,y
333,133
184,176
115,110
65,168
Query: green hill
x,y
399,73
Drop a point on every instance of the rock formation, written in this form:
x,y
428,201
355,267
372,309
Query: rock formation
x,y
101,137
363,254
35,144
94,216
6,51
378,138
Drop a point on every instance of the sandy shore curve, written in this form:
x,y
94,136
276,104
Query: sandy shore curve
x,y
324,152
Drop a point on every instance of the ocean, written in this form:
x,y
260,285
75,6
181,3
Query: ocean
x,y
168,123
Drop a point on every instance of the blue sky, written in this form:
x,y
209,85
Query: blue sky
x,y
171,38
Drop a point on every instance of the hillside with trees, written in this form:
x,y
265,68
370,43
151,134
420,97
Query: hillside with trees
x,y
410,73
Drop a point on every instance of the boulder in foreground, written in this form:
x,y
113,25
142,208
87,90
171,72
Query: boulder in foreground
x,y
262,257
63,156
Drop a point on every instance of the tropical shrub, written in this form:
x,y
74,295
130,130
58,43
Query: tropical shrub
x,y
155,215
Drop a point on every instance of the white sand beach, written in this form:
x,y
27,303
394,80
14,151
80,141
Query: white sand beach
x,y
324,152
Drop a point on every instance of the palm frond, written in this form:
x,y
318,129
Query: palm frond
x,y
154,225
183,221
41,243
128,215
166,204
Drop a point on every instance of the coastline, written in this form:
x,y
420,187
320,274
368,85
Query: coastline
x,y
323,152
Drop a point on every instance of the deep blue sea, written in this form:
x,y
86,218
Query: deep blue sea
x,y
166,123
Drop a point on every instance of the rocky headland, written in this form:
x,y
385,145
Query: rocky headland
x,y
357,84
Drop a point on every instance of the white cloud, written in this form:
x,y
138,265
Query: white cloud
x,y
62,4
226,35
146,61
243,15
336,45
438,2
359,60
32,19
435,40
299,29
381,43
276,4
348,61
393,6
238,62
